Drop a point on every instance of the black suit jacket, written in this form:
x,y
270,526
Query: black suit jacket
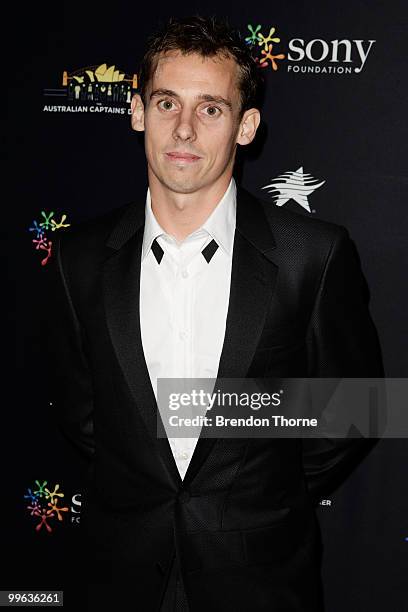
x,y
243,521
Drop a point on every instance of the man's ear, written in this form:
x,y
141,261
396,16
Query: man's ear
x,y
248,126
137,107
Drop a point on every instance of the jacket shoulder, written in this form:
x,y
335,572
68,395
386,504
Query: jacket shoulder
x,y
86,239
287,224
300,241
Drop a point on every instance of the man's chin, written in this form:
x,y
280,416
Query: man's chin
x,y
182,185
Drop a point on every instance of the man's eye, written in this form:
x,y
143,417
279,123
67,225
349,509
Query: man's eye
x,y
214,111
211,111
163,103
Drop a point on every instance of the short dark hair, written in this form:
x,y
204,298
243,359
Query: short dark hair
x,y
207,36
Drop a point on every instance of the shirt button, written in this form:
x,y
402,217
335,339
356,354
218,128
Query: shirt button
x,y
182,335
181,456
184,273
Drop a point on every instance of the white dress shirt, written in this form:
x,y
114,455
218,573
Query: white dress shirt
x,y
184,301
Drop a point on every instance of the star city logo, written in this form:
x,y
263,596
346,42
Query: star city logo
x,y
316,56
42,241
43,505
295,186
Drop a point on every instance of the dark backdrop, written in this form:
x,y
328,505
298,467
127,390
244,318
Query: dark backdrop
x,y
346,129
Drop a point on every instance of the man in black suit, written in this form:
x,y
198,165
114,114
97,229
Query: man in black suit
x,y
205,280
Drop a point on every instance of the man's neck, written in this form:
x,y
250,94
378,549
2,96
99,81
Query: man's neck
x,y
180,214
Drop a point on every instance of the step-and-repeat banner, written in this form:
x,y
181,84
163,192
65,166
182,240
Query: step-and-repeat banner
x,y
331,146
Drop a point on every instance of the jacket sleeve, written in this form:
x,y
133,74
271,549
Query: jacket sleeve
x,y
69,373
342,343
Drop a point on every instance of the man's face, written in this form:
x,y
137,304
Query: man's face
x,y
192,108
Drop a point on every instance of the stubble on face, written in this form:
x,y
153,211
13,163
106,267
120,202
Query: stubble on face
x,y
186,127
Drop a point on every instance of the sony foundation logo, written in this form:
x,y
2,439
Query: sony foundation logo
x,y
46,506
318,56
42,233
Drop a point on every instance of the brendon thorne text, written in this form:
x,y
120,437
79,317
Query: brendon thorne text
x,y
250,421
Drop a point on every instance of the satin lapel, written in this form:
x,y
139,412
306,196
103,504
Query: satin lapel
x,y
121,283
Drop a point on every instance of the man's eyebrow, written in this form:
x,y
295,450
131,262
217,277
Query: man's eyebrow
x,y
204,97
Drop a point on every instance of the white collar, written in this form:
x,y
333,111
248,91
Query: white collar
x,y
220,224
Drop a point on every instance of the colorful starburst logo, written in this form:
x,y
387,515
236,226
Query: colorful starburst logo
x,y
42,241
43,504
258,39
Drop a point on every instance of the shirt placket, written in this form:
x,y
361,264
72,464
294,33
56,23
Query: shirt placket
x,y
185,271
180,320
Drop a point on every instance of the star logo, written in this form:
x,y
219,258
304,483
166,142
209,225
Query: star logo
x,y
296,186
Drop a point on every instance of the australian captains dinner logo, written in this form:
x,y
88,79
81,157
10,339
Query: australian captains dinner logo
x,y
100,89
47,506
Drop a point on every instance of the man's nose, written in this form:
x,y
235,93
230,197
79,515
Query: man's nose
x,y
185,128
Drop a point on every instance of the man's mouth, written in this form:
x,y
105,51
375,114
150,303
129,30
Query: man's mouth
x,y
182,156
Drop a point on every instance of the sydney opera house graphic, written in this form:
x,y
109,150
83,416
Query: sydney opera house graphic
x,y
101,84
